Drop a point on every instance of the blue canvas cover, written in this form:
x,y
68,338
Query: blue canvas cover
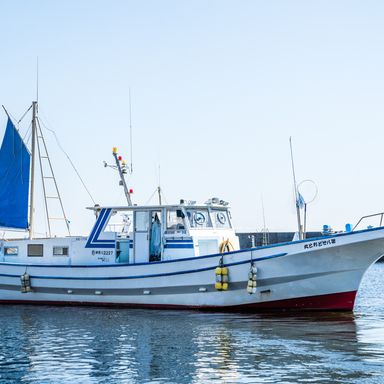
x,y
155,244
14,180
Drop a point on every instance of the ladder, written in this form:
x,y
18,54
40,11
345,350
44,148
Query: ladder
x,y
48,177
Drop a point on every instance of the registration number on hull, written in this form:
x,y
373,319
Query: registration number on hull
x,y
320,243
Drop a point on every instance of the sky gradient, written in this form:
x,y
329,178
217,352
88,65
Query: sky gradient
x,y
218,87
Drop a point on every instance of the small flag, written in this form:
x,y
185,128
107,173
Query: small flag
x,y
300,201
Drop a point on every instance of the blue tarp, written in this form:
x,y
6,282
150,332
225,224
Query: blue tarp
x,y
14,180
155,245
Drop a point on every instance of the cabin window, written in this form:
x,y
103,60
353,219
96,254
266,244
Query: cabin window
x,y
60,251
175,220
220,218
120,223
11,251
35,250
199,218
141,221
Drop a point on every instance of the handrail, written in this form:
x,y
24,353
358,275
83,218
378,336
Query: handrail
x,y
381,214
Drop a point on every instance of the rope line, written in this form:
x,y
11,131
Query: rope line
x,y
22,117
69,159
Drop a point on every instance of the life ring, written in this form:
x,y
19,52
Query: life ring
x,y
226,246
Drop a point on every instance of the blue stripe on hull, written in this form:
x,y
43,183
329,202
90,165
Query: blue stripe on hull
x,y
147,276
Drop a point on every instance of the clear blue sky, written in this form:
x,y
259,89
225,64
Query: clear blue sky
x,y
217,89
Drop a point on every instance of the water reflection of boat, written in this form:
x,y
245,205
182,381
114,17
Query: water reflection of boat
x,y
167,256
141,346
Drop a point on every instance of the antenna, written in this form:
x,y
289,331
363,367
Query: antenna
x,y
130,131
265,230
262,206
37,79
159,188
32,189
300,228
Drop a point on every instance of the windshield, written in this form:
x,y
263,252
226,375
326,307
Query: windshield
x,y
220,218
199,218
175,220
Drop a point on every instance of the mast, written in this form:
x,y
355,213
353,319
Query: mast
x,y
122,179
159,194
299,226
33,149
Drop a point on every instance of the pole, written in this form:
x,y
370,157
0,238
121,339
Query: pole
x,y
265,239
159,194
296,194
130,132
33,150
159,188
126,191
305,221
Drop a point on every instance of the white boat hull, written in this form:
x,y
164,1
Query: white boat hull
x,y
316,274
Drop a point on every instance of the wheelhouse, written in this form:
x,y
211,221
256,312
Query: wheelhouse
x,y
134,235
141,234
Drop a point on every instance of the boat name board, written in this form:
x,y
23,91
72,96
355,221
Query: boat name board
x,y
102,255
320,243
107,253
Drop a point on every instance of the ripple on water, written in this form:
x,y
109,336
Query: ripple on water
x,y
99,345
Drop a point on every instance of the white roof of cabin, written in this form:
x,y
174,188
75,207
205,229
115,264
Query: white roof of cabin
x,y
157,207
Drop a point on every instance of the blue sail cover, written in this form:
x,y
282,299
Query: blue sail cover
x,y
14,180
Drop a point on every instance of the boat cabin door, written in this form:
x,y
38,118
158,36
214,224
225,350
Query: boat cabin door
x,y
141,236
147,236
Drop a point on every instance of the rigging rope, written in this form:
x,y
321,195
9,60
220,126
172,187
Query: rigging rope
x,y
69,159
13,119
22,117
153,194
28,135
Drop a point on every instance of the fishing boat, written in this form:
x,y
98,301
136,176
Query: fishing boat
x,y
184,255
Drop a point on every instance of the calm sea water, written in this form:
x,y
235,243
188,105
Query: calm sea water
x,y
103,345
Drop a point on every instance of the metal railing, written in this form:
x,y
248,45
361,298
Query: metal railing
x,y
381,214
